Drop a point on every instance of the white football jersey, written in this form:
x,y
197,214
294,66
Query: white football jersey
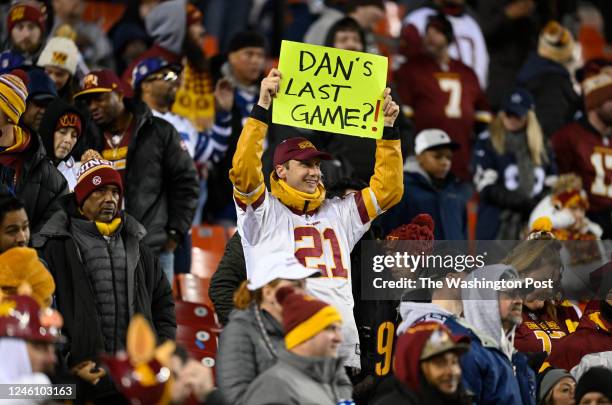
x,y
323,240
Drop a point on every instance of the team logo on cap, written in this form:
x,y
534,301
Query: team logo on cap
x,y
305,145
97,180
516,98
90,80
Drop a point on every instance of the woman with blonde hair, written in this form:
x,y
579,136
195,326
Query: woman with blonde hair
x,y
511,163
250,342
546,317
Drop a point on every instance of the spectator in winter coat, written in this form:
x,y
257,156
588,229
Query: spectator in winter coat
x,y
511,162
26,172
431,188
427,369
161,187
59,58
487,370
556,387
591,344
438,91
156,82
594,387
309,370
546,76
103,272
251,341
494,316
582,147
244,69
41,91
62,127
26,25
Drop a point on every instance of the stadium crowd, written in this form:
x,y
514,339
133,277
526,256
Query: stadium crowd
x,y
128,129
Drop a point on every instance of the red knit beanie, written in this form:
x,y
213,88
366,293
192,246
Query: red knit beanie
x,y
421,342
94,173
26,11
68,120
597,90
303,316
421,228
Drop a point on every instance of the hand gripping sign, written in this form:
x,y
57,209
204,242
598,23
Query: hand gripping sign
x,y
330,90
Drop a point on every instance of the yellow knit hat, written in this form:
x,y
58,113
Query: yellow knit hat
x,y
13,94
20,267
556,43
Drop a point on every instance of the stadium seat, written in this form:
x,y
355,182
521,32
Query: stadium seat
x,y
199,338
194,314
194,289
208,246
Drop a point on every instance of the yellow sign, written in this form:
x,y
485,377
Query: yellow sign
x,y
330,90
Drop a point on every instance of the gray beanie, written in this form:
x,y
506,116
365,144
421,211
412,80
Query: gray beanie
x,y
549,379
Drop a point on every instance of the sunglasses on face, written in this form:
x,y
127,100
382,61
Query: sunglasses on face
x,y
166,77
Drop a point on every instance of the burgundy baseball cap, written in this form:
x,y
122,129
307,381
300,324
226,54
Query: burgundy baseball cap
x,y
102,81
297,149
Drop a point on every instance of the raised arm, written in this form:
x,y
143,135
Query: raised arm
x,y
387,184
246,172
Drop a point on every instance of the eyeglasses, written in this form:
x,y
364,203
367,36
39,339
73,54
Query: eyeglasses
x,y
167,77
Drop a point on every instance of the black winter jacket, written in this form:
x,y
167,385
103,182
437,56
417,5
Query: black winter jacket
x,y
161,190
230,273
40,185
148,289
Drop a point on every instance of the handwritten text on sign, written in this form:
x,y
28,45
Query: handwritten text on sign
x,y
330,90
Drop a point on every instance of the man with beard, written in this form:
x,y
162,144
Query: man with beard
x,y
584,148
103,272
161,187
26,27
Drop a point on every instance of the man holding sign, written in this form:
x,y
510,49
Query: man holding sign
x,y
295,216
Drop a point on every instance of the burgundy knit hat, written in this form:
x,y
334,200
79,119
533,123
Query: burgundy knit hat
x,y
597,90
94,173
303,316
26,11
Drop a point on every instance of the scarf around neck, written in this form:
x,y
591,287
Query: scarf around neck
x,y
298,201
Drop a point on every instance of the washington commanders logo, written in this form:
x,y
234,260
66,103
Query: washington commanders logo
x,y
305,145
97,180
90,81
17,13
69,120
59,58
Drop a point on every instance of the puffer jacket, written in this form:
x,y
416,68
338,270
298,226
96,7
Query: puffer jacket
x,y
243,351
230,273
161,186
40,185
298,380
105,266
148,290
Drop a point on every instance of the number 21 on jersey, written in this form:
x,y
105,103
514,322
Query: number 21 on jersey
x,y
312,250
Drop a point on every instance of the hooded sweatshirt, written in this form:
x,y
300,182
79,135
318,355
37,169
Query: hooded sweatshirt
x,y
481,307
68,166
166,24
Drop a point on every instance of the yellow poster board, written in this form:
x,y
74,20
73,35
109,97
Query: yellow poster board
x,y
331,90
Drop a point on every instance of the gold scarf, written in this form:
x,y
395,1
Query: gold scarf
x,y
107,229
297,200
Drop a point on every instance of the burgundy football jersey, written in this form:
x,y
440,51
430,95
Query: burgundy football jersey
x,y
449,99
539,331
582,150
